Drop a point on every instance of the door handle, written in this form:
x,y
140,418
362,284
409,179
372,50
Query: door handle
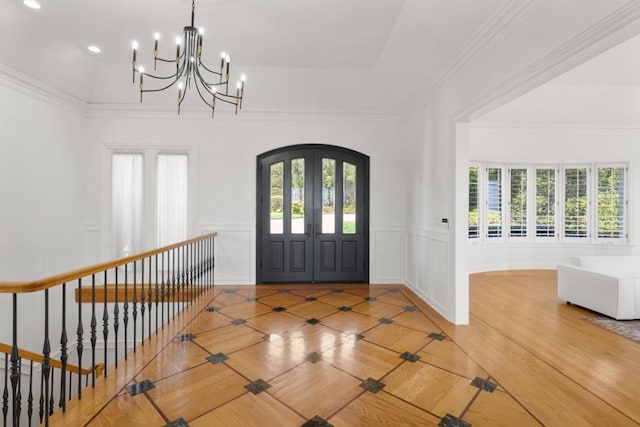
x,y
317,229
308,233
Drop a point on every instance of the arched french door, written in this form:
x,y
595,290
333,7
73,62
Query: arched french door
x,y
312,215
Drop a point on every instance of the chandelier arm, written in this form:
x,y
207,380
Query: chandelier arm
x,y
204,81
219,98
208,69
162,88
200,93
175,75
166,60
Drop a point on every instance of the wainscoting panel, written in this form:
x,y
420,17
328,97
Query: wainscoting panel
x,y
387,248
91,245
427,268
235,253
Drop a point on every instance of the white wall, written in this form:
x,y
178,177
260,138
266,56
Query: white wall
x,y
226,148
41,190
553,144
504,65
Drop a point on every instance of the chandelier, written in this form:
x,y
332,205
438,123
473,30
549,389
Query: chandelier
x,y
211,85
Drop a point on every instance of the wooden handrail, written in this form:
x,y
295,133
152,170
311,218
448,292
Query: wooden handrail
x,y
26,354
49,282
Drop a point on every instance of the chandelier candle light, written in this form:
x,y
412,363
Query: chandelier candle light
x,y
211,85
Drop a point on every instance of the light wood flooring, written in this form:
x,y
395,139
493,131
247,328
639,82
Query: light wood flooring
x,y
358,355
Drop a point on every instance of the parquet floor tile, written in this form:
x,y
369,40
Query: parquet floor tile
x,y
384,410
498,409
208,386
228,339
359,355
397,338
250,410
128,411
446,355
430,388
316,389
377,309
350,322
362,359
266,360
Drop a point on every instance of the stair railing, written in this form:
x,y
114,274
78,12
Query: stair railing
x,y
133,297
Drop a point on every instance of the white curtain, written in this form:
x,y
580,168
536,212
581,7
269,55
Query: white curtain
x,y
126,194
171,198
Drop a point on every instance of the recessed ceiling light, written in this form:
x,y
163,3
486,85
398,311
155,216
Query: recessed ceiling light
x,y
33,4
93,48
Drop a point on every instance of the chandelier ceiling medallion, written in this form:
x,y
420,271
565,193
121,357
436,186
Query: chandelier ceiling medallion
x,y
212,86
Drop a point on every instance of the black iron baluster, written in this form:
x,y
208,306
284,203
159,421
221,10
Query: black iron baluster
x,y
105,324
213,262
63,350
46,360
173,280
163,285
189,272
51,404
41,400
182,279
5,393
94,336
150,302
17,410
135,302
30,398
70,384
125,307
116,321
157,292
142,301
80,334
15,376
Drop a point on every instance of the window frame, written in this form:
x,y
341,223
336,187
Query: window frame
x,y
149,218
480,203
563,236
527,192
556,202
504,212
560,171
625,217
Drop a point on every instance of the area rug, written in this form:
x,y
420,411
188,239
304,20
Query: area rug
x,y
627,328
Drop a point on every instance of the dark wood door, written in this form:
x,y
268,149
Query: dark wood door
x,y
312,215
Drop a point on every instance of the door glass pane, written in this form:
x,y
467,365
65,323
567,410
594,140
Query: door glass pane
x,y
126,199
276,190
171,196
297,196
348,198
328,196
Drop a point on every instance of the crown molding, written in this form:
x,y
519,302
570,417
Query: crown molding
x,y
498,23
194,113
570,54
524,127
27,85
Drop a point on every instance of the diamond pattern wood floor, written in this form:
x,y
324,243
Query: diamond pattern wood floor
x,y
315,356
